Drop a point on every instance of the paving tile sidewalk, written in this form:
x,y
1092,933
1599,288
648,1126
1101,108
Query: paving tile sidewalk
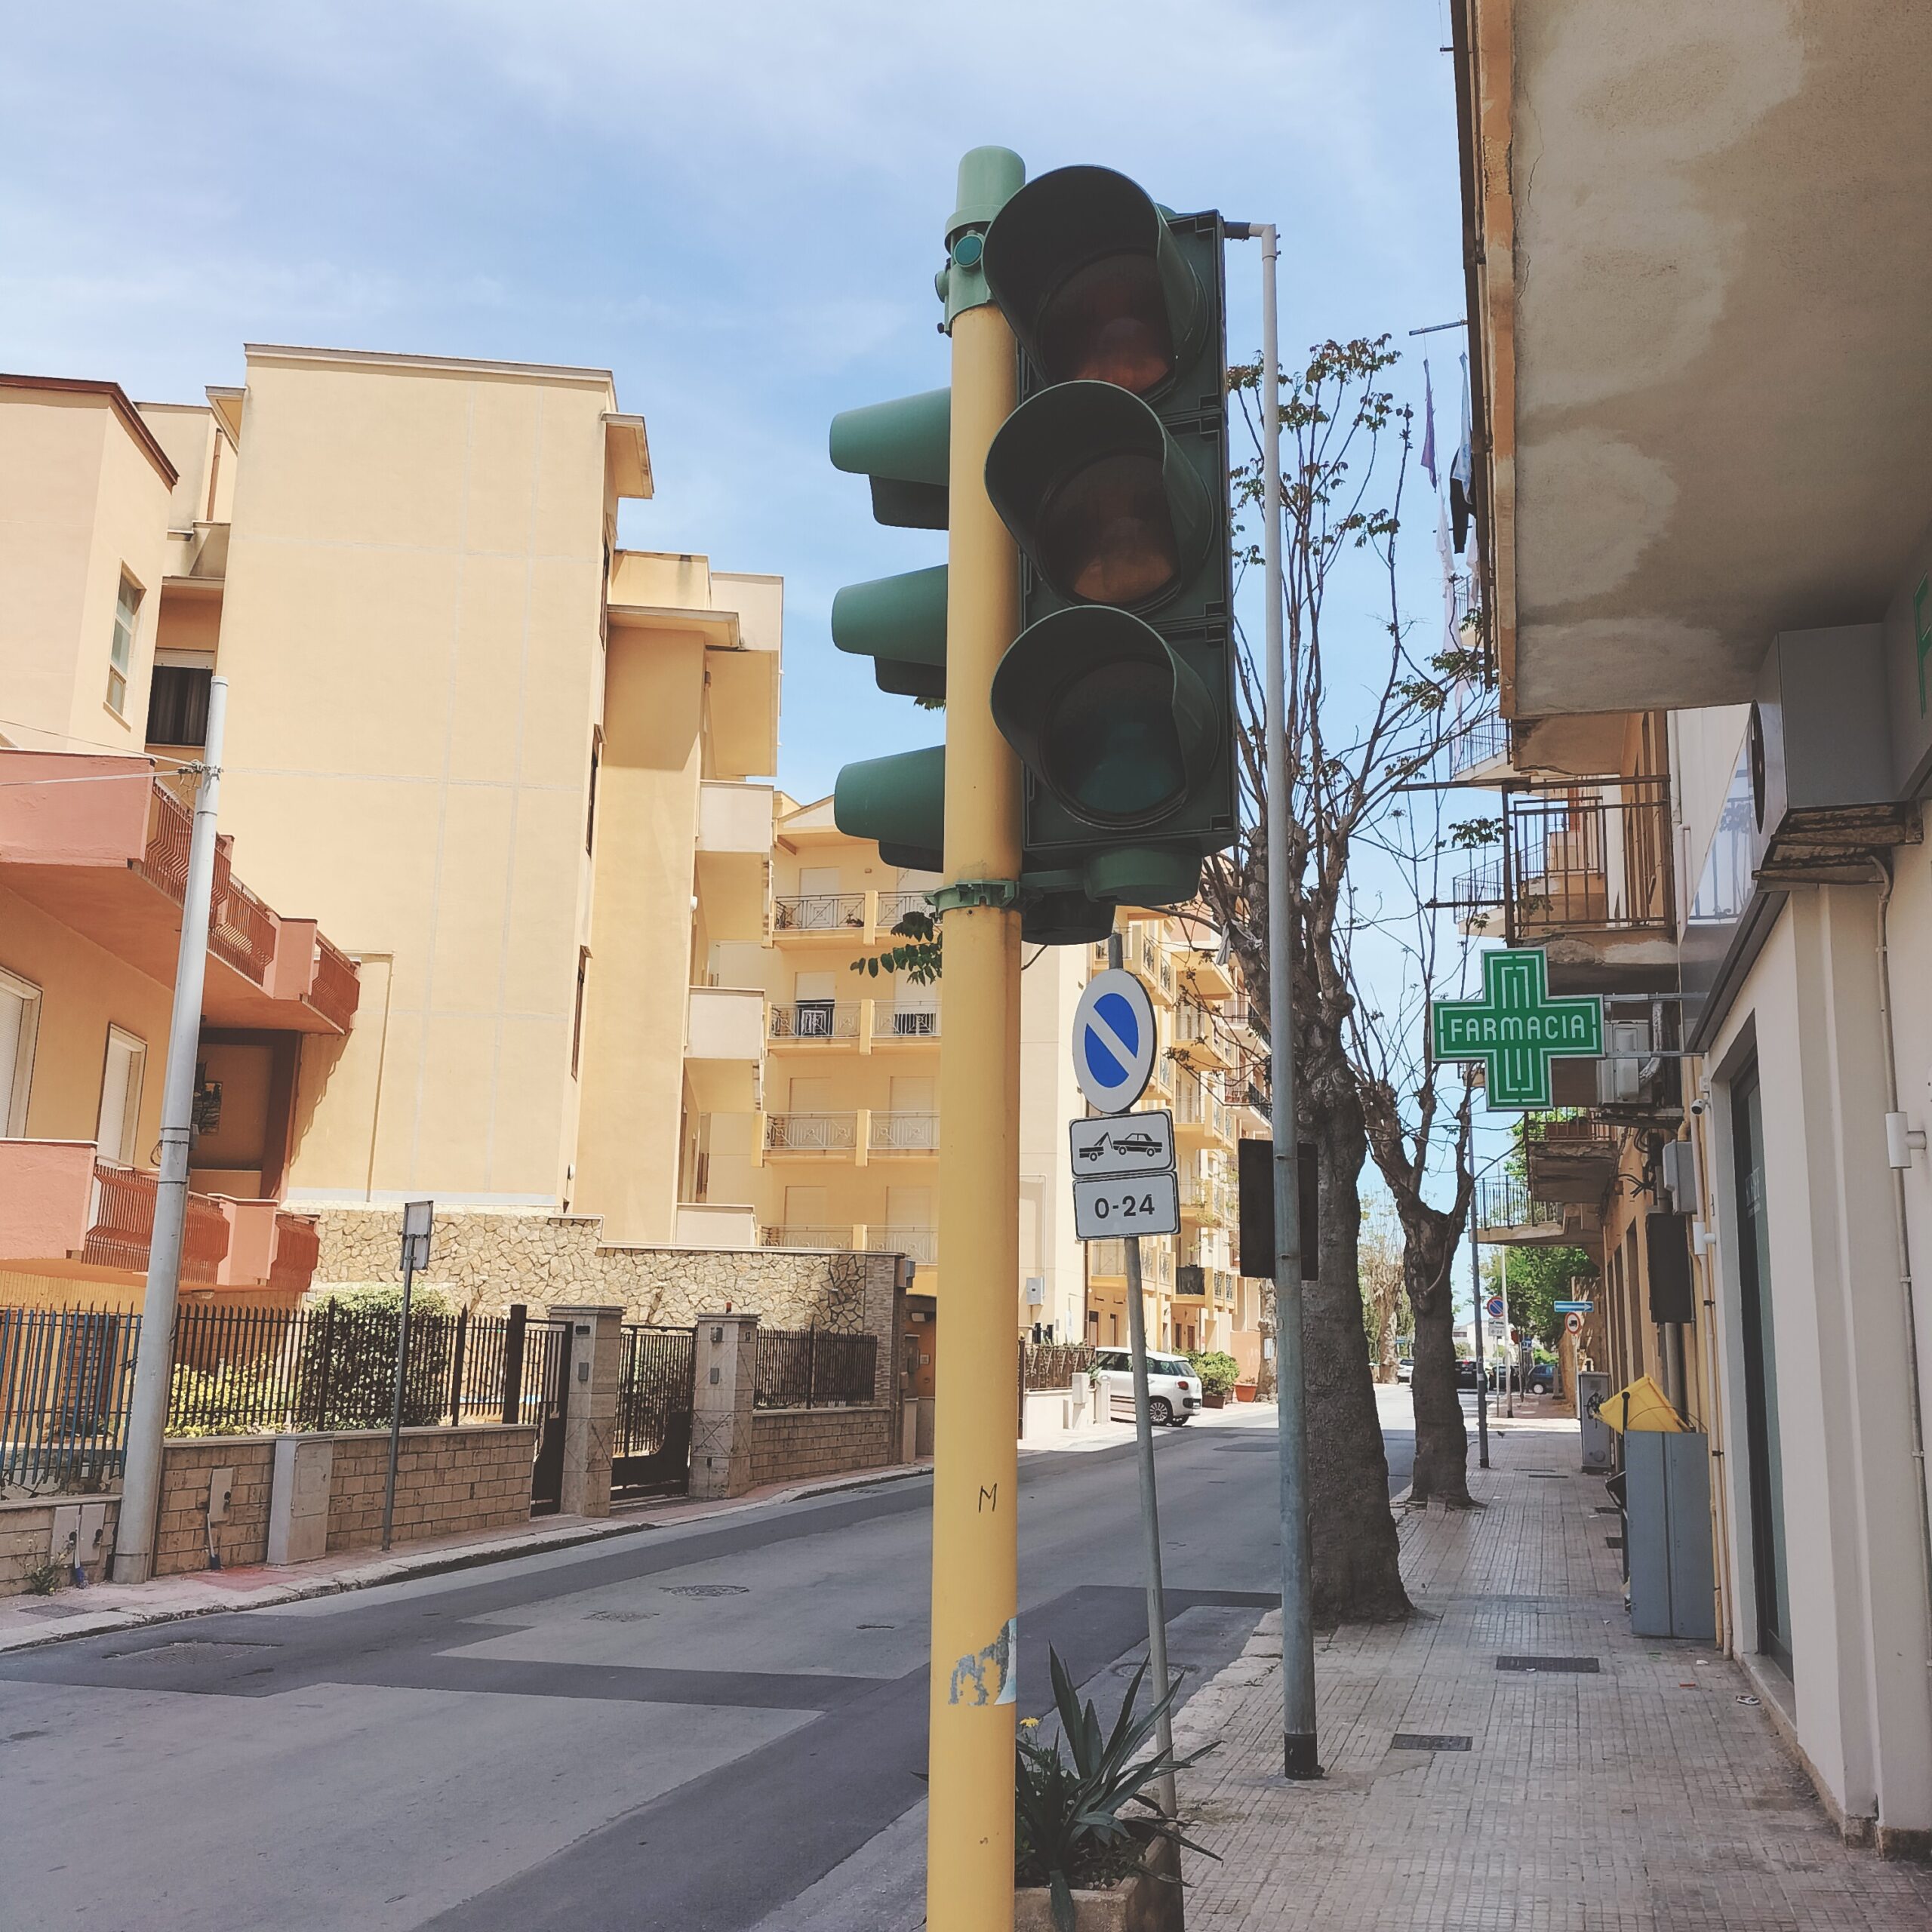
x,y
1643,1798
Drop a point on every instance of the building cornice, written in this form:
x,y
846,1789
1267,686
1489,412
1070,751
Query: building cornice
x,y
116,399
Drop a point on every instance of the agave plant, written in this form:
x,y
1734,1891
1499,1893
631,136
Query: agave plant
x,y
1072,1796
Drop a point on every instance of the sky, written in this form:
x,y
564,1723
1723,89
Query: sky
x,y
737,208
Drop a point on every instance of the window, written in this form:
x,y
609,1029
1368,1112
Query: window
x,y
576,1024
121,657
178,705
19,1022
121,1077
590,816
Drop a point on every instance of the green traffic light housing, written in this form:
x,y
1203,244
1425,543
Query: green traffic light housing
x,y
1090,276
899,802
1104,501
898,623
904,447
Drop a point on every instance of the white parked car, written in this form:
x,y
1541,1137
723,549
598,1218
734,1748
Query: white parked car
x,y
1173,1389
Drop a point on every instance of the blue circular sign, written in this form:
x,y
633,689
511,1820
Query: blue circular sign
x,y
1113,1040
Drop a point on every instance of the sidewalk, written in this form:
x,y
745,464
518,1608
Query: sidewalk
x,y
25,1621
1644,1796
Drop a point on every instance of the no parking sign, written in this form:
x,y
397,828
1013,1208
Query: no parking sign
x,y
1114,1039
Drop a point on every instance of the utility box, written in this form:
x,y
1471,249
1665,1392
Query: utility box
x,y
1667,1532
1592,1386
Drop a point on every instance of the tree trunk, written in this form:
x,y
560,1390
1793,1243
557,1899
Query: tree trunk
x,y
1357,1573
1442,1439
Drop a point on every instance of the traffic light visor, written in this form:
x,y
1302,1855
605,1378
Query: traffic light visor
x,y
1084,266
900,802
1097,494
1105,715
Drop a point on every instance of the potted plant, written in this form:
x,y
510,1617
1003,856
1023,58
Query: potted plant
x,y
1084,1861
1219,1373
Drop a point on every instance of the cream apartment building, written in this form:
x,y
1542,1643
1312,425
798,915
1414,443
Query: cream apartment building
x,y
1706,521
517,776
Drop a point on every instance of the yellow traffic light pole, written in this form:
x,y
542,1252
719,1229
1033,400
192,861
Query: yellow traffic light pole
x,y
969,1856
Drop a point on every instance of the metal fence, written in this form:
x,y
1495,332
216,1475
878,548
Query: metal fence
x,y
1054,1364
806,1368
66,1377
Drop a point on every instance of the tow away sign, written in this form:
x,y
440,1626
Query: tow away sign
x,y
1123,1144
1124,1176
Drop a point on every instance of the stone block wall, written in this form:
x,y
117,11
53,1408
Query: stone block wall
x,y
187,1469
447,1481
798,1445
487,1259
27,1538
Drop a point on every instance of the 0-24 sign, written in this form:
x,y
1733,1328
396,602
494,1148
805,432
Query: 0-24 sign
x,y
1143,1204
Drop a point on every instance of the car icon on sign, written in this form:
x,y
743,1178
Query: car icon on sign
x,y
1136,1143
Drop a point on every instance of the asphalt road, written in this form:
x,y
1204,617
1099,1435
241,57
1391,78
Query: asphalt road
x,y
711,1727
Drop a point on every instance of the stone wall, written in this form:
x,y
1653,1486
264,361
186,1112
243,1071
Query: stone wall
x,y
487,1259
27,1538
798,1445
187,1469
448,1481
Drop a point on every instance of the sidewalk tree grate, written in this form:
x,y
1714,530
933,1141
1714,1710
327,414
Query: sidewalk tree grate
x,y
1430,1740
1584,1666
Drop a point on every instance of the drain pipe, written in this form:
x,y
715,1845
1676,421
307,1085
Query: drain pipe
x,y
1903,1235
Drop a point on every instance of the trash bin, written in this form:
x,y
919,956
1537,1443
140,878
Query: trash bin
x,y
1667,1534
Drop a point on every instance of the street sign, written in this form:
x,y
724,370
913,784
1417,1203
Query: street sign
x,y
1574,1323
1573,1307
1516,1029
1494,1306
1114,1040
1142,1205
1122,1144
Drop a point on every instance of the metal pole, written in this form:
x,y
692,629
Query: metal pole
x,y
147,1421
1299,1756
1514,1357
1482,1360
1150,1513
395,1403
974,1685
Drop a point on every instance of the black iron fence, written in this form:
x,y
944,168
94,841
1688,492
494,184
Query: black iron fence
x,y
66,1378
806,1368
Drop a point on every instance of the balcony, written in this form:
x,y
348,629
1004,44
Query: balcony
x,y
724,1045
903,1026
1572,1159
733,862
109,859
1208,1198
1584,872
1507,1214
1199,1118
1206,976
1199,1040
903,1133
1479,745
811,1135
815,1023
61,1204
919,1245
817,914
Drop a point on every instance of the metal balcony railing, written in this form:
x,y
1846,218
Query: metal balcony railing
x,y
819,913
919,1244
242,930
298,1247
1476,741
337,989
905,1022
903,1134
1587,858
1505,1201
815,1019
796,1234
1569,1134
120,1228
811,1133
893,906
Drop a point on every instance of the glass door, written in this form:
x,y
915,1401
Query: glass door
x,y
1761,1377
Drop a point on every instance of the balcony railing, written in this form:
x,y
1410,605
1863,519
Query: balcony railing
x,y
799,1233
1208,1196
336,988
811,1133
298,1247
1504,1200
1569,1134
905,1022
1477,741
893,906
1587,858
242,930
819,913
903,1134
120,1229
816,1020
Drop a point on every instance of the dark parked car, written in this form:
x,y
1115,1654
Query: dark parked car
x,y
1541,1379
1468,1375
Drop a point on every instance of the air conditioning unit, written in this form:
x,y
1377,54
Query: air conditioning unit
x,y
1629,1067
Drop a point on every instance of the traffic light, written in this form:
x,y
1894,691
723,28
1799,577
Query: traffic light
x,y
1113,475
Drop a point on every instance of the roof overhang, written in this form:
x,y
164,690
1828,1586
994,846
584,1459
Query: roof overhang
x,y
1697,303
627,454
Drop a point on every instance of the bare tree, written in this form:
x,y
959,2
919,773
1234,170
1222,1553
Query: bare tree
x,y
1351,741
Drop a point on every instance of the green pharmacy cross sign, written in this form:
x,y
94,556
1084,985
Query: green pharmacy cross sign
x,y
1516,1029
